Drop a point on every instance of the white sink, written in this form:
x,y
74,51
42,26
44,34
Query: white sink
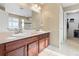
x,y
11,37
18,35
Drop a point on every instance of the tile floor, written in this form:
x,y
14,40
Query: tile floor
x,y
48,52
70,48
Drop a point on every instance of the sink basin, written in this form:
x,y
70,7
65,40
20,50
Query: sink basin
x,y
18,35
11,37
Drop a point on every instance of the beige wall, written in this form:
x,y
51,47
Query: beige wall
x,y
50,18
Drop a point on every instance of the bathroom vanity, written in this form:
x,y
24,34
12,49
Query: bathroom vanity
x,y
28,45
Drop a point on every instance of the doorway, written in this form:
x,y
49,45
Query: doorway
x,y
71,29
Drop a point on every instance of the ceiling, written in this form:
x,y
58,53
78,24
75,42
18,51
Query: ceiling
x,y
64,4
68,4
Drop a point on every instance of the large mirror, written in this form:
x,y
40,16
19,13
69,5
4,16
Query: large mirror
x,y
14,16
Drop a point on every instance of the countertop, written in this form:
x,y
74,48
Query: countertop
x,y
21,36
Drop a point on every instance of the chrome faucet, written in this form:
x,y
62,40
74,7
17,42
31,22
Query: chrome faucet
x,y
15,30
18,31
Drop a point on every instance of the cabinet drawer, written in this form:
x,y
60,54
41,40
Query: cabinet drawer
x,y
15,44
43,35
30,40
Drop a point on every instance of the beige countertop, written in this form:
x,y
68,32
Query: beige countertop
x,y
19,36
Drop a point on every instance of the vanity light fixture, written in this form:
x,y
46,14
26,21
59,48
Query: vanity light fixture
x,y
36,7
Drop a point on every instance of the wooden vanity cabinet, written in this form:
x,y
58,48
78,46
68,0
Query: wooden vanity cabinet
x,y
30,46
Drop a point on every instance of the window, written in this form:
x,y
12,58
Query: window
x,y
13,22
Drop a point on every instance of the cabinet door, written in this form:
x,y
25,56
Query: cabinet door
x,y
33,49
41,44
17,52
1,50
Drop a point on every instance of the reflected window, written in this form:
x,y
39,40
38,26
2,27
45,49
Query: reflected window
x,y
13,22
